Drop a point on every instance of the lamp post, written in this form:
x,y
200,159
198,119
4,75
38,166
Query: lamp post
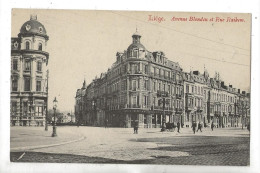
x,y
55,101
46,114
163,95
164,118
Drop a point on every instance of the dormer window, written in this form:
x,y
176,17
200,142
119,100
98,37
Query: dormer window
x,y
16,44
40,46
40,29
27,45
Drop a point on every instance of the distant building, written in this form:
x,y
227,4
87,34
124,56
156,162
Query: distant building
x,y
131,90
28,74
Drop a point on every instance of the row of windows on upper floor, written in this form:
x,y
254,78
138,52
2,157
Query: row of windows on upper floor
x,y
27,65
136,84
222,108
136,100
27,84
195,89
28,46
135,68
190,102
223,98
158,57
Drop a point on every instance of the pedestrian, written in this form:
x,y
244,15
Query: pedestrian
x,y
136,127
173,125
199,127
106,123
194,126
178,126
212,126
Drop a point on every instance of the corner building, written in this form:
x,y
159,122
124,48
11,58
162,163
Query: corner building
x,y
128,90
28,75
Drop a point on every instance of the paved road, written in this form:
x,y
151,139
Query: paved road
x,y
150,146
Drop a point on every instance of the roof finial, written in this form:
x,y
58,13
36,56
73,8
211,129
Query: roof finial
x,y
33,17
136,28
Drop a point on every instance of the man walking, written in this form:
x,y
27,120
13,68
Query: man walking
x,y
178,126
199,127
106,123
136,127
194,126
212,126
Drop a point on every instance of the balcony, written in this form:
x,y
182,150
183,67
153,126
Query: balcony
x,y
189,108
178,110
199,109
178,96
189,94
161,108
217,113
132,106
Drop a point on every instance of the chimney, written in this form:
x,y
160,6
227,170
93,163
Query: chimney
x,y
243,92
238,90
230,86
222,84
196,72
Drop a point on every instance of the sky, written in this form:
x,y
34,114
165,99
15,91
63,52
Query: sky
x,y
83,44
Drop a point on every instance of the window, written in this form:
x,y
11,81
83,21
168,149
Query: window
x,y
39,111
146,85
25,108
134,85
14,107
15,64
39,66
40,46
164,87
192,89
14,85
27,84
187,88
145,69
38,86
27,45
159,86
27,65
153,119
154,86
145,101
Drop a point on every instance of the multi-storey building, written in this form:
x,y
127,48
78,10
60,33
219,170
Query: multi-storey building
x,y
129,90
132,90
28,74
195,98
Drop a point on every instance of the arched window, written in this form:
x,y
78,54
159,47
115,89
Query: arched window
x,y
27,45
40,46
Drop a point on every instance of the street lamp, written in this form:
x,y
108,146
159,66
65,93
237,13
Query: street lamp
x,y
55,101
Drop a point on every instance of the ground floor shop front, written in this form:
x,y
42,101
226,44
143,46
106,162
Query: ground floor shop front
x,y
28,111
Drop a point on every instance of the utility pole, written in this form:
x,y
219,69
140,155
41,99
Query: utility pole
x,y
47,88
163,100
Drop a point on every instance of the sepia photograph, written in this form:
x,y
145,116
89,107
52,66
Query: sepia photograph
x,y
130,87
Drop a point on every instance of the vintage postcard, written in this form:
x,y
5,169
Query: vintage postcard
x,y
130,87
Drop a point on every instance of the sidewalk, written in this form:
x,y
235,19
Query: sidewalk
x,y
26,138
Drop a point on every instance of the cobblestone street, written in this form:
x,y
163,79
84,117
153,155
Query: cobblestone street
x,y
149,146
